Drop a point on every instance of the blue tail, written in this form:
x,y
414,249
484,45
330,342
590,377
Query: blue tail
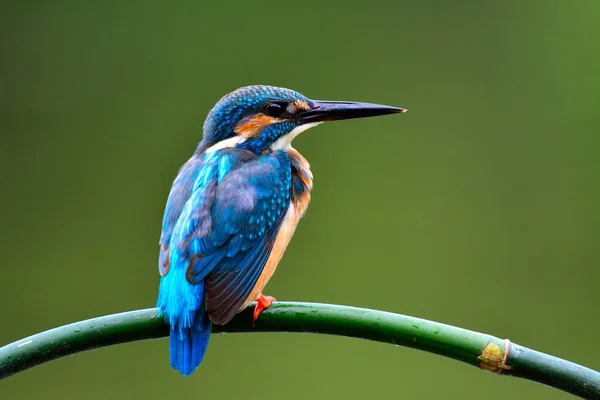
x,y
182,307
189,344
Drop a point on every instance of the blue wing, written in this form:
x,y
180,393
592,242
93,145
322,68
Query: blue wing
x,y
249,206
224,232
193,192
179,195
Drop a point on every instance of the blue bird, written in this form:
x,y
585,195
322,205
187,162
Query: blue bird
x,y
233,209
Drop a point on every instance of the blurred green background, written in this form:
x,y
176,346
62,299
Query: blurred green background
x,y
478,208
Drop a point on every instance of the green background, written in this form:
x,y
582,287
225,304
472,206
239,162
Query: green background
x,y
479,207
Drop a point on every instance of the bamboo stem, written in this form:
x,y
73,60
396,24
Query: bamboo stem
x,y
478,349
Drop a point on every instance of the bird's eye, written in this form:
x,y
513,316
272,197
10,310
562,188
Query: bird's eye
x,y
275,109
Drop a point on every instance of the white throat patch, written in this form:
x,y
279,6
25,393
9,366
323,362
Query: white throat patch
x,y
231,142
284,141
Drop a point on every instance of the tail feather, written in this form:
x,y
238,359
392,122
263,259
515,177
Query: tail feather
x,y
188,345
182,307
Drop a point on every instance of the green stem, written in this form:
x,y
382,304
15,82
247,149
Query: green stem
x,y
481,350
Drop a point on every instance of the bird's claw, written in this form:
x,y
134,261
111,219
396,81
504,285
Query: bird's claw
x,y
262,303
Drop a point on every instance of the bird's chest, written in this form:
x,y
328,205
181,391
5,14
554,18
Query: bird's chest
x,y
301,185
302,182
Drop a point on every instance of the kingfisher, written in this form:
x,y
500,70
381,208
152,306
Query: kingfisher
x,y
233,209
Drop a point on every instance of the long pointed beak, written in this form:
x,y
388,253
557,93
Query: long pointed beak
x,y
336,110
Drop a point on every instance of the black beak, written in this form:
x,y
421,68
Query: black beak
x,y
336,110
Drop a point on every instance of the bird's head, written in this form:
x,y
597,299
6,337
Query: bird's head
x,y
259,118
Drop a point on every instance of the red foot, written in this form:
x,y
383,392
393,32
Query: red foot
x,y
262,303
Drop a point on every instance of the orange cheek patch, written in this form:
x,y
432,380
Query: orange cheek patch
x,y
253,125
300,105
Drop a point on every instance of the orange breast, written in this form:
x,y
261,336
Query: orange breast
x,y
296,210
286,231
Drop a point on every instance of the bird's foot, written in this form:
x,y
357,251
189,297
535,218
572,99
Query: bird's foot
x,y
262,303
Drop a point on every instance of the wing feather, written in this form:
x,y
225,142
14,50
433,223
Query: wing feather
x,y
224,232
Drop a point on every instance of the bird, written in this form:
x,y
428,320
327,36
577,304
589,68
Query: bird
x,y
233,208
